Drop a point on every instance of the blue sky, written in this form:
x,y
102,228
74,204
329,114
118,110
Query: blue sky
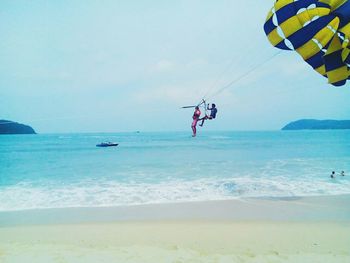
x,y
108,66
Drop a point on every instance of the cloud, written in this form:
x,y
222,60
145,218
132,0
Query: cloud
x,y
163,66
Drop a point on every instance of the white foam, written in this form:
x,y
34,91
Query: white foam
x,y
108,193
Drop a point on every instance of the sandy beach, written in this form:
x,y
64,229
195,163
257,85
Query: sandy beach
x,y
315,229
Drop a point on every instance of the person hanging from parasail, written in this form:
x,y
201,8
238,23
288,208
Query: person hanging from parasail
x,y
196,116
213,112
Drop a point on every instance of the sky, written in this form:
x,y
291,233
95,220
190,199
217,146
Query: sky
x,y
119,66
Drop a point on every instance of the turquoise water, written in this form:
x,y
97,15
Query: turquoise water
x,y
67,170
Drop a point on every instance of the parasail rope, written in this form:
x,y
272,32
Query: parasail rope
x,y
244,75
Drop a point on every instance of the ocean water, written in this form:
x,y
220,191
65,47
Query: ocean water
x,y
68,170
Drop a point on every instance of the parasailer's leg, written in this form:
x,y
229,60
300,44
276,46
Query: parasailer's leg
x,y
194,128
203,119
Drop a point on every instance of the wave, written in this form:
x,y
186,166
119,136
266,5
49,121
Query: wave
x,y
104,193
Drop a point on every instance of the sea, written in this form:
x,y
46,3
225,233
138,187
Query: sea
x,y
68,170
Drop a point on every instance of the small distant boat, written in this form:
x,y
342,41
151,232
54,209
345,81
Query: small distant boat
x,y
107,144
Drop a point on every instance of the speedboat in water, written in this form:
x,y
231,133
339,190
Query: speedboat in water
x,y
107,144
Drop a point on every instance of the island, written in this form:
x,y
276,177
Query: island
x,y
310,124
10,127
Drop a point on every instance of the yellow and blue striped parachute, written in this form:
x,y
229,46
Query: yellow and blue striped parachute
x,y
318,30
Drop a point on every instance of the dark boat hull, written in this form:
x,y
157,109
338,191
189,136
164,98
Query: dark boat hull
x,y
107,145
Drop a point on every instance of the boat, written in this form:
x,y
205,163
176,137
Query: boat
x,y
107,144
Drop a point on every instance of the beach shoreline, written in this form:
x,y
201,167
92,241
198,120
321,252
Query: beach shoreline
x,y
312,229
318,208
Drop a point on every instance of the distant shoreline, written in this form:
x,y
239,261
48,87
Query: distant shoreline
x,y
209,132
12,128
312,124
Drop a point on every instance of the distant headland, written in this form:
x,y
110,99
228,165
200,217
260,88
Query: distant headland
x,y
309,124
10,127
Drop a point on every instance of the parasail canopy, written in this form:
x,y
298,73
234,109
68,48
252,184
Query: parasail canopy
x,y
318,30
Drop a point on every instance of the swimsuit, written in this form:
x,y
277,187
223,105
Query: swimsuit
x,y
213,113
195,117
